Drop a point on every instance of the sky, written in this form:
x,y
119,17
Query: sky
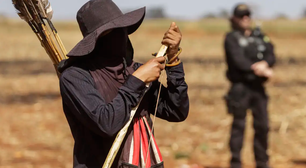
x,y
179,9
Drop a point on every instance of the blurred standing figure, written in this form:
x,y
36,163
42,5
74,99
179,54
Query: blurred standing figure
x,y
250,57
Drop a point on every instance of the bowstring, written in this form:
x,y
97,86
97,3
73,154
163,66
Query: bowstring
x,y
153,122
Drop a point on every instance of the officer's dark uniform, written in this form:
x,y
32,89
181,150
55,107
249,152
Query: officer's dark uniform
x,y
247,91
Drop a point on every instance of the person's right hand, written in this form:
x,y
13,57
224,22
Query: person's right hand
x,y
268,73
150,71
262,68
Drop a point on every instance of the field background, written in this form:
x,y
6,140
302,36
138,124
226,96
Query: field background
x,y
35,134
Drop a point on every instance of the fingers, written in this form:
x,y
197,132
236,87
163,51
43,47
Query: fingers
x,y
171,39
260,66
258,73
169,42
173,36
174,27
160,60
257,68
151,70
177,29
161,66
269,73
173,31
254,66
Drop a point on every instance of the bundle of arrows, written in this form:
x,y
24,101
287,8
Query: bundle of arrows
x,y
38,14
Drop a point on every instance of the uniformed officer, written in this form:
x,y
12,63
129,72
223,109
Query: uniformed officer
x,y
250,57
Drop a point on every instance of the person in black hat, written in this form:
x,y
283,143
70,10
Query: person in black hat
x,y
100,84
250,58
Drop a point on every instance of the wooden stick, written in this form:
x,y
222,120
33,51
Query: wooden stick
x,y
162,51
163,74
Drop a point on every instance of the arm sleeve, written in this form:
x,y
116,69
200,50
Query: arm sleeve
x,y
86,104
236,54
173,104
269,54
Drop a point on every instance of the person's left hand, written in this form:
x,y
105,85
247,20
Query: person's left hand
x,y
172,39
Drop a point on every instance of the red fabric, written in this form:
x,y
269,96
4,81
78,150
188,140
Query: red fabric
x,y
141,140
136,155
145,140
158,151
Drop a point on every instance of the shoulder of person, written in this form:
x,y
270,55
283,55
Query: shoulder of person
x,y
232,37
230,34
264,37
74,73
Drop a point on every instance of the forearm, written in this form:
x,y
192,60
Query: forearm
x,y
270,55
174,101
270,59
92,111
114,115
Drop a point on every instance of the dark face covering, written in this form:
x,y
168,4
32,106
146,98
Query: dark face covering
x,y
107,63
114,44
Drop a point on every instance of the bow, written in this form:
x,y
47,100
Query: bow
x,y
121,134
162,81
38,14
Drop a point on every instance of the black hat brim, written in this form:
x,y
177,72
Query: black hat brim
x,y
131,20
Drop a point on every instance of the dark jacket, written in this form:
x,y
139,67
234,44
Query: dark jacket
x,y
241,52
94,124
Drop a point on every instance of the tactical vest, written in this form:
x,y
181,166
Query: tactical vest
x,y
254,46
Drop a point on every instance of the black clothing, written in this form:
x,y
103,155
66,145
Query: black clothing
x,y
241,52
96,17
247,92
94,123
256,99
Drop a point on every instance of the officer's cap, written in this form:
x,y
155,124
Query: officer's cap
x,y
242,10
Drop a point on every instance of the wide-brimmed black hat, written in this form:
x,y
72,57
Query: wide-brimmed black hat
x,y
242,10
98,16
